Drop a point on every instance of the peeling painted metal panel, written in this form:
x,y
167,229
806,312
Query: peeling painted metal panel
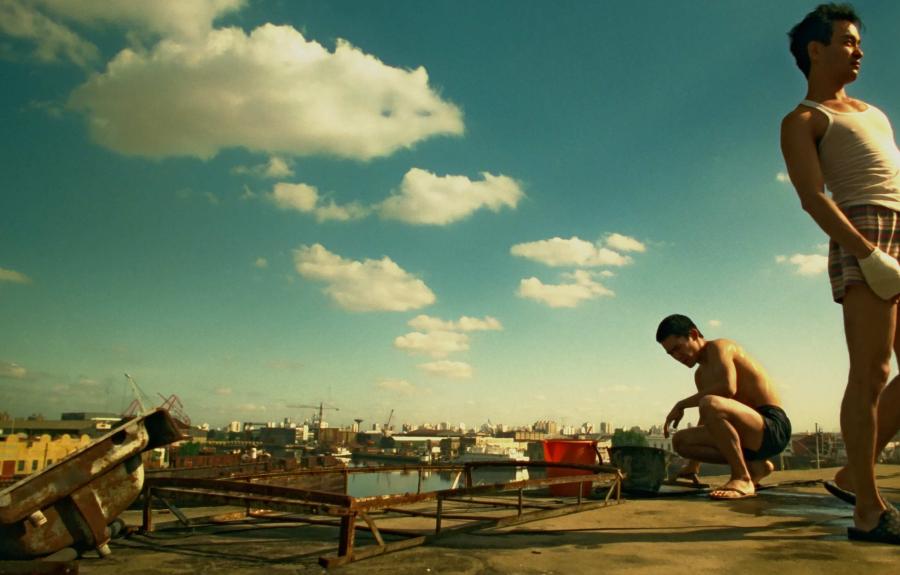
x,y
73,501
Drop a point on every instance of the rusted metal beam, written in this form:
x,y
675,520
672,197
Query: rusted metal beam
x,y
258,489
347,536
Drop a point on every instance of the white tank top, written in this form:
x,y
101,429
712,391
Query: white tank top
x,y
859,158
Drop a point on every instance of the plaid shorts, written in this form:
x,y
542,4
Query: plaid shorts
x,y
879,225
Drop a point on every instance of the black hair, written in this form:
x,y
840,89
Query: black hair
x,y
817,27
675,324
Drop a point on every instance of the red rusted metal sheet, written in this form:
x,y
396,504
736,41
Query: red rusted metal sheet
x,y
72,502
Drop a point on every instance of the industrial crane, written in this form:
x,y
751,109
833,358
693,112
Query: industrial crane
x,y
321,407
387,424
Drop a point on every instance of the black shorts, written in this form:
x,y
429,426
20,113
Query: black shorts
x,y
776,433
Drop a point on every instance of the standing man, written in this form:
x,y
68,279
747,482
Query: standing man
x,y
741,420
835,141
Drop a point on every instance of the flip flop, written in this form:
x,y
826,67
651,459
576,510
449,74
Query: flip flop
x,y
887,530
840,492
740,494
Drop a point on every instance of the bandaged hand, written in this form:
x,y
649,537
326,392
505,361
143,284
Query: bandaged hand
x,y
882,273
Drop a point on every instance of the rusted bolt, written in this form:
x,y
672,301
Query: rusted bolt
x,y
37,519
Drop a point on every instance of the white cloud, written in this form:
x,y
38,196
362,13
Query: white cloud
x,y
428,323
261,263
582,288
300,197
805,264
250,407
223,391
445,368
783,177
54,41
714,323
12,371
425,198
305,198
369,285
167,18
275,167
433,343
272,91
569,252
395,385
624,243
13,277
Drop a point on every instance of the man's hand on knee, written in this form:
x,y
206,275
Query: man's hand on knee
x,y
882,273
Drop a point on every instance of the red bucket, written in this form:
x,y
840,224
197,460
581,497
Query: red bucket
x,y
583,452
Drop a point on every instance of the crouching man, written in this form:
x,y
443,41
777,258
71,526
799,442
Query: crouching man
x,y
741,420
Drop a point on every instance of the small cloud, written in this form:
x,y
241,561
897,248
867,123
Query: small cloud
x,y
12,371
88,382
428,199
805,264
223,391
607,274
782,177
449,369
251,407
261,263
53,41
465,324
433,343
212,198
396,385
714,323
276,167
582,288
248,194
572,252
13,276
624,243
305,198
368,285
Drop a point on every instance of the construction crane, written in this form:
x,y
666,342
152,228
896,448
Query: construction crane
x,y
387,424
141,403
321,407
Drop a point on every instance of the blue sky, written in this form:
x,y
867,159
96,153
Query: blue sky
x,y
457,210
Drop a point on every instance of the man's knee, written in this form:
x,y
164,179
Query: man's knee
x,y
869,376
679,441
710,405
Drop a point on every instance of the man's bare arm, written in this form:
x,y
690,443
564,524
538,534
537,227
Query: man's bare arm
x,y
798,146
719,370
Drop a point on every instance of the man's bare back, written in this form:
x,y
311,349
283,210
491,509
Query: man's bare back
x,y
753,386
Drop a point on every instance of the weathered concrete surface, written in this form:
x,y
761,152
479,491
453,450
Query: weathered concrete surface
x,y
790,529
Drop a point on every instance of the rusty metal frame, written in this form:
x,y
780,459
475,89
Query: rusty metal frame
x,y
261,500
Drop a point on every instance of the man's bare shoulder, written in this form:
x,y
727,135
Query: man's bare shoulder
x,y
801,118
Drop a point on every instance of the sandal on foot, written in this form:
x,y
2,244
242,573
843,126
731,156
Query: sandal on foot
x,y
840,492
738,494
887,530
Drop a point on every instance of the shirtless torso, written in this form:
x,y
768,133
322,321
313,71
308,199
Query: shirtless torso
x,y
752,385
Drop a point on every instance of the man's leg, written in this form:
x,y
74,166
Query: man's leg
x,y
888,416
696,444
733,425
869,325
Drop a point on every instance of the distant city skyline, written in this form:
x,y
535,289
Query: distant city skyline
x,y
460,211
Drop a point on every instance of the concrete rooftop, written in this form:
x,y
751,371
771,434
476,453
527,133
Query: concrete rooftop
x,y
790,528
